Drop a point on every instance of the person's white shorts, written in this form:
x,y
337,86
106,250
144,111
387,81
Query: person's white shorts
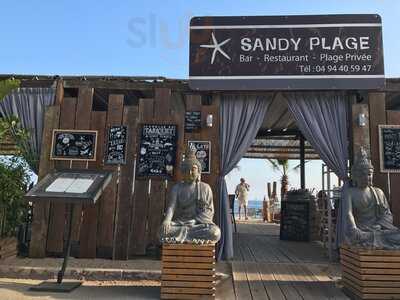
x,y
243,201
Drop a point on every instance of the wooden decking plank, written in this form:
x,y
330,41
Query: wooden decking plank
x,y
257,289
326,282
285,282
270,284
241,285
319,288
247,255
269,243
236,249
261,252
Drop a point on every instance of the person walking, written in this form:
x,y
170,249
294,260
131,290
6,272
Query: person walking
x,y
241,192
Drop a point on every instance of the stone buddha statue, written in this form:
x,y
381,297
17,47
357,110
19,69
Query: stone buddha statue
x,y
190,211
368,220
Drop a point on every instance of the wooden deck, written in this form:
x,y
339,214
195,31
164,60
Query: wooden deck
x,y
266,268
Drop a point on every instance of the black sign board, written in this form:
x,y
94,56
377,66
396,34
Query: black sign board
x,y
295,221
157,151
389,146
74,144
203,154
116,145
192,121
286,52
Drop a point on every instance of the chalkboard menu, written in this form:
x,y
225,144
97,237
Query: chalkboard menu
x,y
157,151
116,145
74,144
295,221
203,154
192,121
389,146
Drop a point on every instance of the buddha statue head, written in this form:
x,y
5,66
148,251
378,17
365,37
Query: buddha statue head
x,y
362,170
191,167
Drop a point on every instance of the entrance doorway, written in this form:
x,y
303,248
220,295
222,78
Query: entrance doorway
x,y
263,263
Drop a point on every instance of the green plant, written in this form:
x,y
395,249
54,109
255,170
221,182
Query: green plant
x,y
14,179
6,86
11,126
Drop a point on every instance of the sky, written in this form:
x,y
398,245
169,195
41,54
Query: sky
x,y
140,38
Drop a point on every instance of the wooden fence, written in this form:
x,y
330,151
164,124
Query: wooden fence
x,y
126,218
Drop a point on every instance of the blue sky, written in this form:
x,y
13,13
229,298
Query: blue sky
x,y
143,37
151,38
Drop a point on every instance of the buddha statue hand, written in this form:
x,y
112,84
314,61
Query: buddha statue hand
x,y
165,227
361,236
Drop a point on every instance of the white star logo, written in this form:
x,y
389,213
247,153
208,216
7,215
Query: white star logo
x,y
216,47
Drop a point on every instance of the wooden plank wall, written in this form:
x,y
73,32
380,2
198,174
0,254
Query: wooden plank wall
x,y
127,217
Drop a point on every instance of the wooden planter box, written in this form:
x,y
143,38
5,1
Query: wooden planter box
x,y
370,274
188,271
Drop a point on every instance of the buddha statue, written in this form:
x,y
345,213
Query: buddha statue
x,y
190,211
367,216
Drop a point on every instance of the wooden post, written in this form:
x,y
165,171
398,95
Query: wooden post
x,y
138,238
377,116
124,209
82,121
57,220
360,133
107,202
329,211
37,246
302,163
88,231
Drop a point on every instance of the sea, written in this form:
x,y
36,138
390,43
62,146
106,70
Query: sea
x,y
254,208
253,204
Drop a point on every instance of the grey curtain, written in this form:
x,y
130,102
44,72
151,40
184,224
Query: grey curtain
x,y
241,117
28,104
322,117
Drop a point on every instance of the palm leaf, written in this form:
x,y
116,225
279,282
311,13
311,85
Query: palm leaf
x,y
275,164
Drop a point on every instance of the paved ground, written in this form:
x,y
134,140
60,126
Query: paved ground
x,y
18,289
106,270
